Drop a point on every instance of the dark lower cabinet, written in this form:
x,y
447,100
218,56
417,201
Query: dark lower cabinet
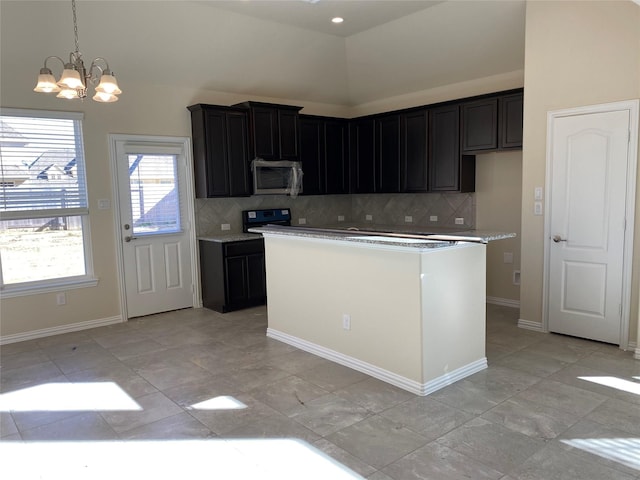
x,y
232,274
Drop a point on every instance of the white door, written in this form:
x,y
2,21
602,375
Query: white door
x,y
154,227
587,210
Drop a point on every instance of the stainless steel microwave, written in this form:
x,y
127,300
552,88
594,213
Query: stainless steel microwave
x,y
279,177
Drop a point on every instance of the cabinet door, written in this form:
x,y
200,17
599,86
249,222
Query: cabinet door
x,y
216,167
256,278
236,281
444,149
480,125
237,154
511,121
363,155
336,157
388,153
288,135
264,125
311,139
413,141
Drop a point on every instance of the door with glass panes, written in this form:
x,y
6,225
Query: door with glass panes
x,y
154,230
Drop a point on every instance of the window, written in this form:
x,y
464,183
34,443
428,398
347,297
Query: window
x,y
44,224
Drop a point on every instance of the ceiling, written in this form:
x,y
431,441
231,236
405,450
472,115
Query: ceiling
x,y
316,15
274,49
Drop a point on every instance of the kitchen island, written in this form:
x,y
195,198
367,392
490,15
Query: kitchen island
x,y
408,310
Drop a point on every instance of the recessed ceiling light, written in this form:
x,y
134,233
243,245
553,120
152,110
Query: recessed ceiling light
x,y
337,19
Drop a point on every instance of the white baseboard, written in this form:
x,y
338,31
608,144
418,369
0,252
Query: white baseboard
x,y
399,381
505,302
529,325
47,332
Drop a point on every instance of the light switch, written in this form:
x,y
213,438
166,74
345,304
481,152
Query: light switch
x,y
537,193
537,208
104,204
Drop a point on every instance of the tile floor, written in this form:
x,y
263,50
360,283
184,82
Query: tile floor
x,y
548,407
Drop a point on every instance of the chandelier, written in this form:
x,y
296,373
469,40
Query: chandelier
x,y
75,78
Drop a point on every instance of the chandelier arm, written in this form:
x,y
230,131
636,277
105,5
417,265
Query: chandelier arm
x,y
53,56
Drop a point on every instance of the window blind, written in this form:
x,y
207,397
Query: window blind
x,y
42,169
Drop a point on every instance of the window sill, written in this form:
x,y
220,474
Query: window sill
x,y
9,291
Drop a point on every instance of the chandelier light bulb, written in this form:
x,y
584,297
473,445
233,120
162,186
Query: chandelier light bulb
x,y
46,82
104,97
68,93
108,84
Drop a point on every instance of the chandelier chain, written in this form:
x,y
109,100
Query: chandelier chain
x,y
75,24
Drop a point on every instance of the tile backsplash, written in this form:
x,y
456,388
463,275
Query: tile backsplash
x,y
384,209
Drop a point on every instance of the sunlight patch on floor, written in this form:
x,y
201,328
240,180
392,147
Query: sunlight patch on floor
x,y
62,397
223,402
615,382
622,450
264,459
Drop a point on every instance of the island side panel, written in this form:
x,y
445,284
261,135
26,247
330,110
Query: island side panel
x,y
454,309
311,283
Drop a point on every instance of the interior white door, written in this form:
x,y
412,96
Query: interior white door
x,y
589,156
156,247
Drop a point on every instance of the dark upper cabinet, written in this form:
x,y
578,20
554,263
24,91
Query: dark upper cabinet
x,y
220,151
362,154
274,130
511,121
492,123
444,148
387,165
311,142
480,125
336,156
413,151
324,155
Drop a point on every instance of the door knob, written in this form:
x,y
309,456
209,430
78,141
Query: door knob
x,y
558,238
128,238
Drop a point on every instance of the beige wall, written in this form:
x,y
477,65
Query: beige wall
x,y
576,53
498,194
147,106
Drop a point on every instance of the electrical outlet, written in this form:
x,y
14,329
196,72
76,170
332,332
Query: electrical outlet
x,y
507,257
341,218
346,321
225,226
459,221
302,221
368,217
408,218
433,218
61,299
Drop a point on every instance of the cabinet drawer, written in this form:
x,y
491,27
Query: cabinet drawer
x,y
245,247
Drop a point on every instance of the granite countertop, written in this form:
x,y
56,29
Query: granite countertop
x,y
414,239
230,237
